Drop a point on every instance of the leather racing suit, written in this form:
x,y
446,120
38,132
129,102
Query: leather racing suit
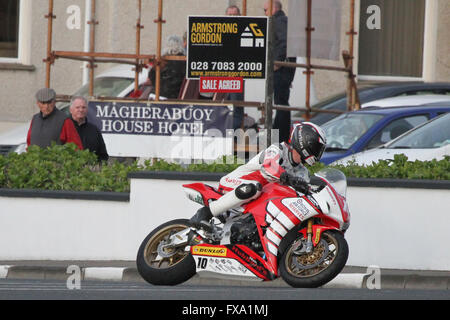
x,y
247,180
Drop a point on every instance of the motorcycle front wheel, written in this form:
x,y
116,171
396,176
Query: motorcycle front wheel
x,y
314,269
160,265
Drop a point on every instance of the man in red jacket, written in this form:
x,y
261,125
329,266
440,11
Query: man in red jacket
x,y
50,124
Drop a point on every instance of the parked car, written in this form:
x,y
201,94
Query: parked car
x,y
374,91
416,100
426,142
115,82
369,128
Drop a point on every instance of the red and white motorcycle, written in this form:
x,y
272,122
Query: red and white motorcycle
x,y
282,233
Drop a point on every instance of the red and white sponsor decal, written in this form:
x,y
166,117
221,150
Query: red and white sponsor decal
x,y
221,84
233,181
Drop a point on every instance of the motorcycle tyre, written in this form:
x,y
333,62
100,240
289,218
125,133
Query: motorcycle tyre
x,y
176,274
324,276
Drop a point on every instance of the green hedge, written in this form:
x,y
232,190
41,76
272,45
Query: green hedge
x,y
400,168
62,168
66,168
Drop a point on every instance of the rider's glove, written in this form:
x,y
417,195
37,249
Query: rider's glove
x,y
296,182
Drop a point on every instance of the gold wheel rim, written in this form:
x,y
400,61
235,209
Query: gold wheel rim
x,y
173,255
316,258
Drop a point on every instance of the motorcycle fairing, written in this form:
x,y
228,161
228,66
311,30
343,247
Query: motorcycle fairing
x,y
226,268
231,260
279,209
201,193
300,207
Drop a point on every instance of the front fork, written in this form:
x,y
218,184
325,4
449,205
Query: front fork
x,y
309,234
312,233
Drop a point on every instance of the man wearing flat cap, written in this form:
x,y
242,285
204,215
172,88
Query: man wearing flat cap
x,y
51,124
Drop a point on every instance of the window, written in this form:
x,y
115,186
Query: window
x,y
345,130
9,28
395,129
103,87
434,134
391,38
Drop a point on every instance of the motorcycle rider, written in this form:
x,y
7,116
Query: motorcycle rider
x,y
284,162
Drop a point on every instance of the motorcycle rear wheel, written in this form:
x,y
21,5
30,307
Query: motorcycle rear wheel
x,y
314,269
167,267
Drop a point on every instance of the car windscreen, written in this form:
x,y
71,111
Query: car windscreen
x,y
103,87
434,134
345,130
106,87
338,102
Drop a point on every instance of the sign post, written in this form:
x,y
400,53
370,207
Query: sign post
x,y
269,86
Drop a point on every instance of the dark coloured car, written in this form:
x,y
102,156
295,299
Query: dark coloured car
x,y
366,129
373,91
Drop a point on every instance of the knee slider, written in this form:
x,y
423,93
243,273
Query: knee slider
x,y
248,190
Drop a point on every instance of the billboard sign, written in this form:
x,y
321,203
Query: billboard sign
x,y
227,46
163,130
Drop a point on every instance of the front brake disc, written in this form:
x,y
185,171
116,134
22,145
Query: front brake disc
x,y
313,259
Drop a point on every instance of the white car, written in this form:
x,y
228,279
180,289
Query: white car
x,y
115,82
413,100
424,143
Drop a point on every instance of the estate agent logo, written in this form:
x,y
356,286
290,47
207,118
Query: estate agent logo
x,y
252,37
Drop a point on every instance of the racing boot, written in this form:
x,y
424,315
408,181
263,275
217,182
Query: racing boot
x,y
201,219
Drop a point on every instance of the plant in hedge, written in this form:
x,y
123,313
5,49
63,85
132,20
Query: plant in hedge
x,y
62,168
400,168
44,168
223,164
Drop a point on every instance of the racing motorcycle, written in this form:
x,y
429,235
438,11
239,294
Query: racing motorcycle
x,y
296,235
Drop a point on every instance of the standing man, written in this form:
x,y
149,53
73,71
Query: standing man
x,y
50,124
233,11
283,76
238,112
90,135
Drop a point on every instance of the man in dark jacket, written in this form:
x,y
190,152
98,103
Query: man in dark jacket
x,y
90,135
173,72
50,124
282,76
238,112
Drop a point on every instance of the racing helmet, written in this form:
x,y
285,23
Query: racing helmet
x,y
309,140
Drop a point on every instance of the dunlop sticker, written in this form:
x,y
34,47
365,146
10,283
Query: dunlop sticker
x,y
209,251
